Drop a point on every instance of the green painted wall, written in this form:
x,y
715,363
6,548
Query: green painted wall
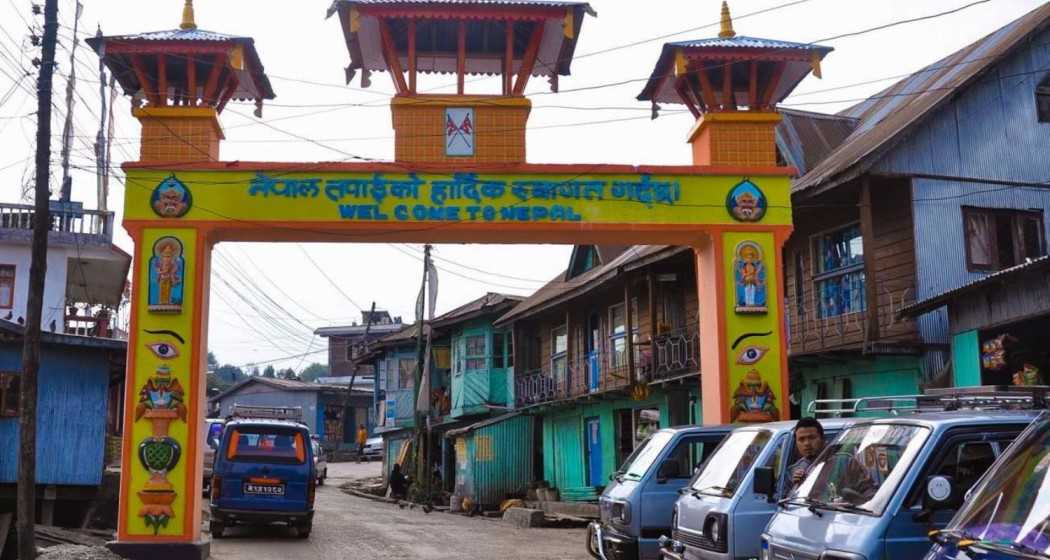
x,y
966,359
871,377
472,389
564,458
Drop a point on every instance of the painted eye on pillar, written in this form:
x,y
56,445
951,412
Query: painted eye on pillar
x,y
750,355
163,350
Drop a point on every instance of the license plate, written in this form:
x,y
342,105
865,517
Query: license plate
x,y
264,489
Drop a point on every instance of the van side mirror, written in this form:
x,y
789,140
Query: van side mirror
x,y
764,482
939,493
668,469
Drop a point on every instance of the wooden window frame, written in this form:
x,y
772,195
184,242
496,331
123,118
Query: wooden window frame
x,y
816,278
483,356
613,336
10,382
1042,102
14,276
412,377
1013,214
564,354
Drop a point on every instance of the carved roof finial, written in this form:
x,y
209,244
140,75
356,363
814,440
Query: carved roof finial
x,y
188,21
727,22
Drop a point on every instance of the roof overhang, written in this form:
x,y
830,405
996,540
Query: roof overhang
x,y
436,29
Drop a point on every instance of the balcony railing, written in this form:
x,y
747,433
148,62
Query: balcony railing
x,y
566,379
669,355
676,353
69,223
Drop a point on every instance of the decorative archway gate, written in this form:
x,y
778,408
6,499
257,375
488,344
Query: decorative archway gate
x,y
459,177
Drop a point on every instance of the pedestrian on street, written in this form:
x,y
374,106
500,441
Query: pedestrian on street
x,y
398,483
809,441
362,438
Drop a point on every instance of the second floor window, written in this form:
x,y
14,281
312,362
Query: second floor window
x,y
618,332
9,387
406,370
559,352
839,267
475,355
998,239
7,286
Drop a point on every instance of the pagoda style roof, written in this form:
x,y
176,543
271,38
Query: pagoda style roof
x,y
709,55
119,52
553,26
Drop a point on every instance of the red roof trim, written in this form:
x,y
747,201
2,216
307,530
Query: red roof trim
x,y
451,12
525,168
145,46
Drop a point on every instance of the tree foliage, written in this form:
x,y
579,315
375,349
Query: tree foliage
x,y
313,371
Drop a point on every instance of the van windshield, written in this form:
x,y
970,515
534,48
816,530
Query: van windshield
x,y
266,445
861,470
1011,506
731,462
643,457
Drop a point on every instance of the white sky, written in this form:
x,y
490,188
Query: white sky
x,y
295,42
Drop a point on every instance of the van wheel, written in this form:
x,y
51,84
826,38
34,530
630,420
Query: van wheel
x,y
303,531
217,529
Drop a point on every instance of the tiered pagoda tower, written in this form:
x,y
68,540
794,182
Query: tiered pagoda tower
x,y
514,40
180,80
731,84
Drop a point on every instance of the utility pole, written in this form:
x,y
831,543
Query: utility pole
x,y
35,302
353,367
422,474
101,165
67,128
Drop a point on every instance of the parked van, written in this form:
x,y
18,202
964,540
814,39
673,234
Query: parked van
x,y
636,506
1005,514
264,471
722,512
867,496
212,436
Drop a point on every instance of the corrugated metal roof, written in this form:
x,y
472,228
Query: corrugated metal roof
x,y
545,3
939,300
660,89
744,42
254,84
483,57
559,289
886,117
177,35
807,138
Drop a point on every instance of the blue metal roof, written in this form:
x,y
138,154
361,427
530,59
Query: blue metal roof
x,y
890,114
744,42
177,35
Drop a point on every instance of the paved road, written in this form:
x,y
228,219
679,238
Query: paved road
x,y
355,528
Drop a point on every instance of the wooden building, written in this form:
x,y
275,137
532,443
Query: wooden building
x,y
601,378
931,184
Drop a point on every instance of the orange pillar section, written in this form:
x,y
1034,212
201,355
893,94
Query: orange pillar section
x,y
743,345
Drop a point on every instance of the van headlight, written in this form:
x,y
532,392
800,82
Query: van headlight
x,y
620,512
714,530
840,555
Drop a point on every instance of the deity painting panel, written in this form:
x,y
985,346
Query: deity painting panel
x,y
167,269
171,198
749,273
754,400
746,202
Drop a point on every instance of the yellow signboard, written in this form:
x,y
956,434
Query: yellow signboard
x,y
381,197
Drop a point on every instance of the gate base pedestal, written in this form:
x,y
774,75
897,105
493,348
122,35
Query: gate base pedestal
x,y
161,551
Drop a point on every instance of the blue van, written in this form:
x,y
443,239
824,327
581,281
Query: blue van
x,y
264,473
722,512
636,506
1005,514
869,494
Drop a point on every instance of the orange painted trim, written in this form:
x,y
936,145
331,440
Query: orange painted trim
x,y
431,100
193,484
521,168
779,239
718,242
454,232
126,450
